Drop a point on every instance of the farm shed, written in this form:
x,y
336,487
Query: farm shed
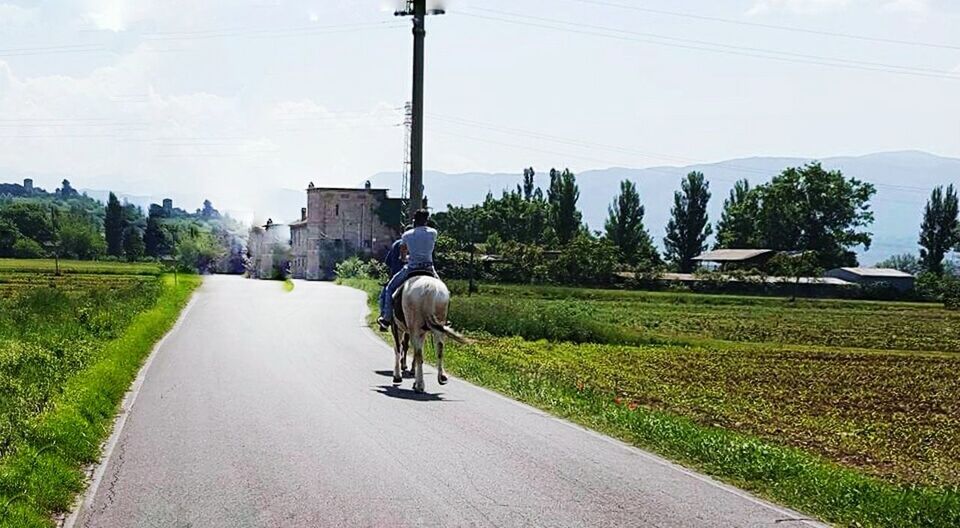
x,y
736,258
874,276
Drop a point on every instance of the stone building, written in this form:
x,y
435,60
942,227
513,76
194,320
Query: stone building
x,y
267,251
338,223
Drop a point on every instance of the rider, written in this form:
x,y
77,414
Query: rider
x,y
420,242
394,261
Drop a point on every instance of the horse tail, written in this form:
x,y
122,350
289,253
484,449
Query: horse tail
x,y
437,326
441,297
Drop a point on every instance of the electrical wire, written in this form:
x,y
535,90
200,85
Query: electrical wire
x,y
794,29
699,45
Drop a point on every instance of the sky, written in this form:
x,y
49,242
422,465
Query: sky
x,y
231,99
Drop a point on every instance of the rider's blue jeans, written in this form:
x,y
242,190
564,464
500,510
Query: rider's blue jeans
x,y
386,306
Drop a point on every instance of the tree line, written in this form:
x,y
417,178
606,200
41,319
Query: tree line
x,y
74,226
810,211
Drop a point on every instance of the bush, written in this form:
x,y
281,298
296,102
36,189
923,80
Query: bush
x,y
585,261
27,248
377,270
951,294
355,268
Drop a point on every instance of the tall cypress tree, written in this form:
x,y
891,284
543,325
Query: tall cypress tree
x,y
114,224
624,227
940,231
688,228
562,196
528,175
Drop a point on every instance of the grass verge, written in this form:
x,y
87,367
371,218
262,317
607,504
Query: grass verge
x,y
43,471
788,475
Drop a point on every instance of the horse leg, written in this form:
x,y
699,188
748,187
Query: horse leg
x,y
418,385
406,348
441,376
397,374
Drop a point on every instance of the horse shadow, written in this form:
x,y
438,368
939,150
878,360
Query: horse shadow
x,y
407,374
394,391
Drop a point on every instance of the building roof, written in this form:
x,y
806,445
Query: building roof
x,y
732,255
347,189
887,273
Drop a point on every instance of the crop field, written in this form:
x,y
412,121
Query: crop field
x,y
691,317
59,336
847,410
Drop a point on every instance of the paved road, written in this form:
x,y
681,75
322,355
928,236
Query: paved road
x,y
274,409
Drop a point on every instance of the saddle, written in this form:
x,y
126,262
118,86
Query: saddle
x,y
398,295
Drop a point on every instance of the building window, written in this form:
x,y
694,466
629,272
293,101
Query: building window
x,y
337,210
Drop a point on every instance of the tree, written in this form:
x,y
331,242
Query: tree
x,y
528,175
9,234
157,241
737,228
199,251
133,246
114,224
80,237
562,197
31,220
940,230
585,261
688,228
811,209
208,211
906,262
624,227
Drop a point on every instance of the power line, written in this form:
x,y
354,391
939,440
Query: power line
x,y
678,42
268,32
772,26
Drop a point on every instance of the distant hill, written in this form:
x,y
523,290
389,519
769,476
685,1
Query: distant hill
x,y
903,180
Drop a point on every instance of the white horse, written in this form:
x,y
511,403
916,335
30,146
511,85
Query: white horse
x,y
422,311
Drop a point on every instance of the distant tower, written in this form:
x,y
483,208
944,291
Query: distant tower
x,y
168,206
28,185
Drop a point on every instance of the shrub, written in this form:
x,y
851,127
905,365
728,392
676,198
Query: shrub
x,y
951,294
27,248
352,268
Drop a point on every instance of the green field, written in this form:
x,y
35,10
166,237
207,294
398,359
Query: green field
x,y
69,347
847,410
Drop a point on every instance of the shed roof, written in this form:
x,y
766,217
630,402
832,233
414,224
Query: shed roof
x,y
878,272
732,255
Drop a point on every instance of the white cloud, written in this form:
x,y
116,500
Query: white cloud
x,y
15,16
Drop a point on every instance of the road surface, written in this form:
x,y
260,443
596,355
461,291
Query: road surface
x,y
265,408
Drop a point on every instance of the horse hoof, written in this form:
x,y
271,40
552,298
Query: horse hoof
x,y
441,379
398,379
418,389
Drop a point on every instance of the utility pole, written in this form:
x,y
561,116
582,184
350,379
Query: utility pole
x,y
418,10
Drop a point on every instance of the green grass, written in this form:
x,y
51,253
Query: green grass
x,y
47,266
856,436
69,349
610,316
